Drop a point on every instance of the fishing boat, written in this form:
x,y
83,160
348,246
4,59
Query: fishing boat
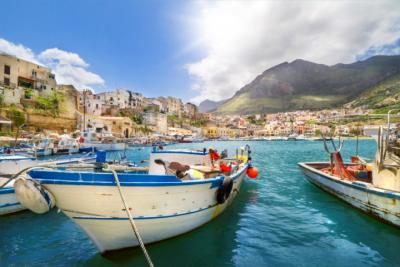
x,y
43,148
179,191
100,141
65,145
13,164
371,187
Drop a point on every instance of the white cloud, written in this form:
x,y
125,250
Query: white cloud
x,y
68,67
242,39
17,50
57,56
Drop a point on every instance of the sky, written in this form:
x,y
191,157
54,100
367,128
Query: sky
x,y
194,50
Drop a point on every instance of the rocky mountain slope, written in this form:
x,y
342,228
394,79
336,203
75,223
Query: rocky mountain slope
x,y
209,105
306,85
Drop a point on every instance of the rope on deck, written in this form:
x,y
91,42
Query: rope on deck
x,y
134,228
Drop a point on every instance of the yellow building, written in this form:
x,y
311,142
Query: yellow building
x,y
172,131
210,132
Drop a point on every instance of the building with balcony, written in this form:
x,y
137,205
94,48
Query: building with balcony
x,y
16,73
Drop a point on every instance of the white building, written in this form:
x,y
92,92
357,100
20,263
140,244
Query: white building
x,y
156,121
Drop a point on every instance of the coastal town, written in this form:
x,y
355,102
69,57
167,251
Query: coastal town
x,y
200,133
49,107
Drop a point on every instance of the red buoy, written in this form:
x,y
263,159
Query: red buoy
x,y
252,172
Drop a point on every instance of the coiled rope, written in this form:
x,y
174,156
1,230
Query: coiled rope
x,y
134,228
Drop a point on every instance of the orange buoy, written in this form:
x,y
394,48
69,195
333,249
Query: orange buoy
x,y
252,172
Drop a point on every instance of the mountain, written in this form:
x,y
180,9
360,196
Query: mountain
x,y
381,97
209,105
306,85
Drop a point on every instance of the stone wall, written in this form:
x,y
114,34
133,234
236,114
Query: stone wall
x,y
38,121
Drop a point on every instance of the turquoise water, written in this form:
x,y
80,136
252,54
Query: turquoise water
x,y
277,220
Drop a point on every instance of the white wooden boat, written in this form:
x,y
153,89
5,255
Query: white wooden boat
x,y
381,203
103,141
165,202
66,145
371,187
12,164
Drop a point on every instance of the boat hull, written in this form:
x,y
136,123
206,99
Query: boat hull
x,y
106,147
381,204
160,212
9,167
8,200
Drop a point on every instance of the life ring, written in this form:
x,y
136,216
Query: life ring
x,y
32,195
224,190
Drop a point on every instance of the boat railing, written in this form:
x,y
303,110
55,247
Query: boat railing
x,y
387,143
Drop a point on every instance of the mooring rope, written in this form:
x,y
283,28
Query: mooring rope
x,y
135,230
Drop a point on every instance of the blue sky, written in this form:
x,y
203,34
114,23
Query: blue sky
x,y
130,44
191,49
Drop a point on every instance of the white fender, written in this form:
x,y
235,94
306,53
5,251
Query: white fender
x,y
32,195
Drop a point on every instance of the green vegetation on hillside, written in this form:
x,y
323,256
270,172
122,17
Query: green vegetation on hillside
x,y
382,97
50,104
244,104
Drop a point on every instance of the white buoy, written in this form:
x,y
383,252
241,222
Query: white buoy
x,y
32,195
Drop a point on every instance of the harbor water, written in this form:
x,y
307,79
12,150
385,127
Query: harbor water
x,y
278,219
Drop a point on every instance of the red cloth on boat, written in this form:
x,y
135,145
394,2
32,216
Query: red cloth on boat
x,y
214,155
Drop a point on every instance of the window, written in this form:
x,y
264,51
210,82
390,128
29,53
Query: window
x,y
6,81
7,69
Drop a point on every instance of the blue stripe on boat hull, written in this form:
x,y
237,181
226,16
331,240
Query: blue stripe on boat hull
x,y
141,218
8,190
9,205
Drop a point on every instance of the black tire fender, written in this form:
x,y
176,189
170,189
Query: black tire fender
x,y
224,190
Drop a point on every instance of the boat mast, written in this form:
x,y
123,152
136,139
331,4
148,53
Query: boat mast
x,y
84,109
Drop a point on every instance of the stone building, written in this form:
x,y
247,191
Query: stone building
x,y
118,126
156,121
17,75
190,110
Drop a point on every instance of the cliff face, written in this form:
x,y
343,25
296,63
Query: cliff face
x,y
42,122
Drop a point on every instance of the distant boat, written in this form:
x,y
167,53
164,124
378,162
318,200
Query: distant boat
x,y
103,141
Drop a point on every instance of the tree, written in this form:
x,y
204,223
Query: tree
x,y
28,93
18,119
1,100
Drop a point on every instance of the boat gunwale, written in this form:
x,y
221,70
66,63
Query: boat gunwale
x,y
179,152
216,181
357,185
